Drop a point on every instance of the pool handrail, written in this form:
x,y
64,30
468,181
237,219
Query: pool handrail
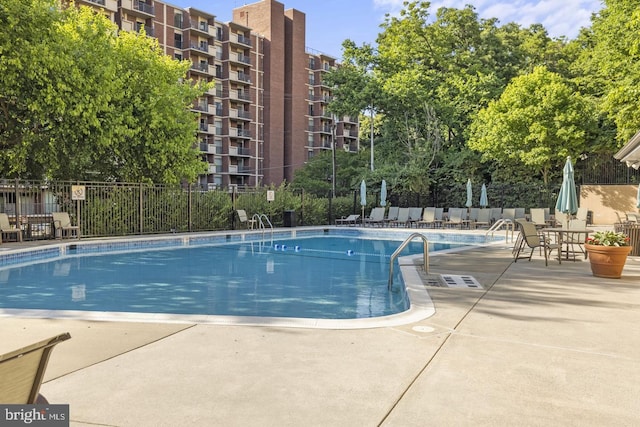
x,y
258,218
425,254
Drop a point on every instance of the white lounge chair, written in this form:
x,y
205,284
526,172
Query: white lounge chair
x,y
62,226
350,220
244,219
6,229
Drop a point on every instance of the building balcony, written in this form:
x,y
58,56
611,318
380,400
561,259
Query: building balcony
x,y
239,39
207,148
203,28
239,114
138,8
239,133
202,48
238,57
201,68
110,5
239,77
240,96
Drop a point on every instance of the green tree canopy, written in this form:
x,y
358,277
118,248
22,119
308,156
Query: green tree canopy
x,y
79,101
538,121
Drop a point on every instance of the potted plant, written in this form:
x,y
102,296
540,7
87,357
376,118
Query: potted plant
x,y
608,253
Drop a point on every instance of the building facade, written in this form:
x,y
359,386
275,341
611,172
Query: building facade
x,y
267,114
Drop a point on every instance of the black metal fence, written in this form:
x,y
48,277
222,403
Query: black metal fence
x,y
120,209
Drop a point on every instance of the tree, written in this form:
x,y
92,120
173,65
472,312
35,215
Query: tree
x,y
79,101
538,121
610,61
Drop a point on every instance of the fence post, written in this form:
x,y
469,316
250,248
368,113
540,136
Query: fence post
x,y
302,207
140,209
16,210
189,207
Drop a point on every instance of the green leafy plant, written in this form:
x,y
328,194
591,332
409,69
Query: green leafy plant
x,y
608,238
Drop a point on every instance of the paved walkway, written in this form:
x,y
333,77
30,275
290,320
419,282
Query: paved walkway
x,y
539,346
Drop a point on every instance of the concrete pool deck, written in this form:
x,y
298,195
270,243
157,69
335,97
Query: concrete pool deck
x,y
538,346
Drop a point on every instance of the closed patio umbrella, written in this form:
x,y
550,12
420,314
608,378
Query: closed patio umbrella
x,y
484,201
638,201
469,194
363,196
567,198
383,193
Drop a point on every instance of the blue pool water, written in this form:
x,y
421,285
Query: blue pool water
x,y
317,277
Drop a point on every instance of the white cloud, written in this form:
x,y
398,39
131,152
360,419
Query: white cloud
x,y
560,18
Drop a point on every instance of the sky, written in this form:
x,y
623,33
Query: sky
x,y
330,22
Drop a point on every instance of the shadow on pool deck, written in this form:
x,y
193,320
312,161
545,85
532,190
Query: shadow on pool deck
x,y
538,346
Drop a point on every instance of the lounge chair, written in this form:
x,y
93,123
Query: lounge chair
x,y
538,217
484,218
456,217
350,220
529,238
439,217
403,218
415,215
244,219
5,228
22,372
62,226
509,214
496,214
392,214
375,218
428,217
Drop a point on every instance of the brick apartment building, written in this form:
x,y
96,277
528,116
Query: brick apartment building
x,y
267,114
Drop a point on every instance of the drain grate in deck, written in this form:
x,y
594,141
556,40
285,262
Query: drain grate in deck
x,y
460,281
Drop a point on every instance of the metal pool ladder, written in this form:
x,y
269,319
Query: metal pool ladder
x,y
261,224
425,254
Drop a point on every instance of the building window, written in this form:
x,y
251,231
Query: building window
x,y
178,20
177,41
312,63
178,56
311,109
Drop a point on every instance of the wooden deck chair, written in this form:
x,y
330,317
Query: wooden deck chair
x,y
530,239
250,223
62,226
428,217
350,220
22,372
6,229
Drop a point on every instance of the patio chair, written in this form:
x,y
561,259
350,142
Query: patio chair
x,y
538,217
244,219
392,214
456,217
376,217
415,215
6,229
62,226
439,217
22,372
350,220
484,218
509,213
403,218
496,214
529,238
428,217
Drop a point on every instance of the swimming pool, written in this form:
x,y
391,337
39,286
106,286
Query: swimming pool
x,y
338,275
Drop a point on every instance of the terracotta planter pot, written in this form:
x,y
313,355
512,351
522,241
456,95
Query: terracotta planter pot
x,y
607,261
